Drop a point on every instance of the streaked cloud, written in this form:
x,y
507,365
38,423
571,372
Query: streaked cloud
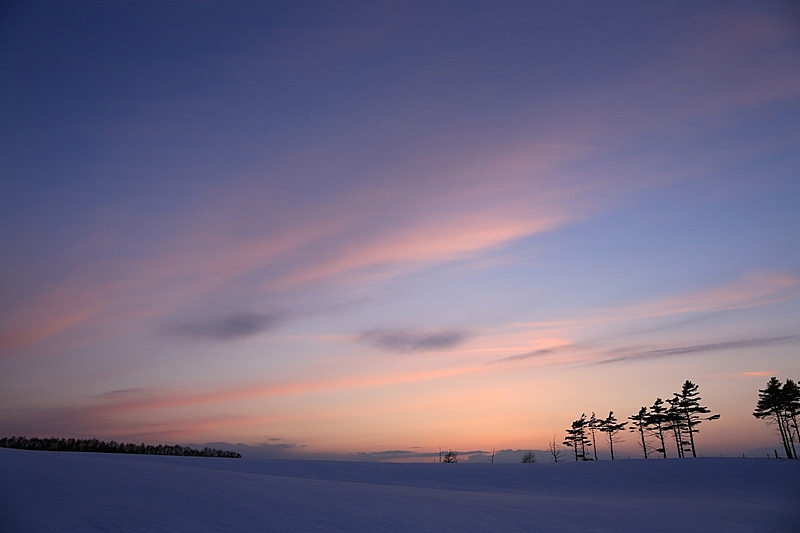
x,y
751,374
527,355
752,290
641,355
756,289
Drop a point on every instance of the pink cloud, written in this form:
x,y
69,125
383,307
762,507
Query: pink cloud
x,y
152,414
562,341
456,210
425,242
146,289
171,400
377,232
751,374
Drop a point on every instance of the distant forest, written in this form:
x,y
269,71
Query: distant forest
x,y
54,444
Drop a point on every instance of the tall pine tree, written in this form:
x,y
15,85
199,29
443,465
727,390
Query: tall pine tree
x,y
772,405
791,405
657,424
639,422
593,424
689,406
676,424
576,438
611,427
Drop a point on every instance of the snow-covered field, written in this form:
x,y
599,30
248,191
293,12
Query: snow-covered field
x,y
61,491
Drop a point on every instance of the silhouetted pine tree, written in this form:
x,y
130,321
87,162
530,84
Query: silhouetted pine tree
x,y
690,408
676,424
791,404
639,421
576,438
571,440
450,457
611,427
774,405
656,423
593,424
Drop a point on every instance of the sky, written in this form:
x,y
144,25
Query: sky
x,y
357,227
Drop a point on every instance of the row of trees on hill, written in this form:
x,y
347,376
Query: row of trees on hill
x,y
675,419
93,445
780,404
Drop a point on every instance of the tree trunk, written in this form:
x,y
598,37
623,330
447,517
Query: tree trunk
x,y
784,438
691,432
789,437
796,431
791,417
663,444
644,443
678,439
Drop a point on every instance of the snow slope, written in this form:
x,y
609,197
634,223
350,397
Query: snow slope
x,y
61,491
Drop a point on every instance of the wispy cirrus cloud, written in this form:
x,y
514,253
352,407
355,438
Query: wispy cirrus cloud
x,y
750,374
158,413
752,290
377,232
595,353
577,337
528,355
635,355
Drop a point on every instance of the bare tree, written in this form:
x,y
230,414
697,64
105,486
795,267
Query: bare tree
x,y
555,449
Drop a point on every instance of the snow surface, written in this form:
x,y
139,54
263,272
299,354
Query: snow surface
x,y
62,491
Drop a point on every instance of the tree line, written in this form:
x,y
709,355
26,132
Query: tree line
x,y
674,420
54,444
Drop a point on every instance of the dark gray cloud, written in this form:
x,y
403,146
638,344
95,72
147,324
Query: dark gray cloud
x,y
404,340
640,355
126,394
227,328
526,355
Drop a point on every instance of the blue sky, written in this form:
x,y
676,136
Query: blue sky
x,y
362,227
